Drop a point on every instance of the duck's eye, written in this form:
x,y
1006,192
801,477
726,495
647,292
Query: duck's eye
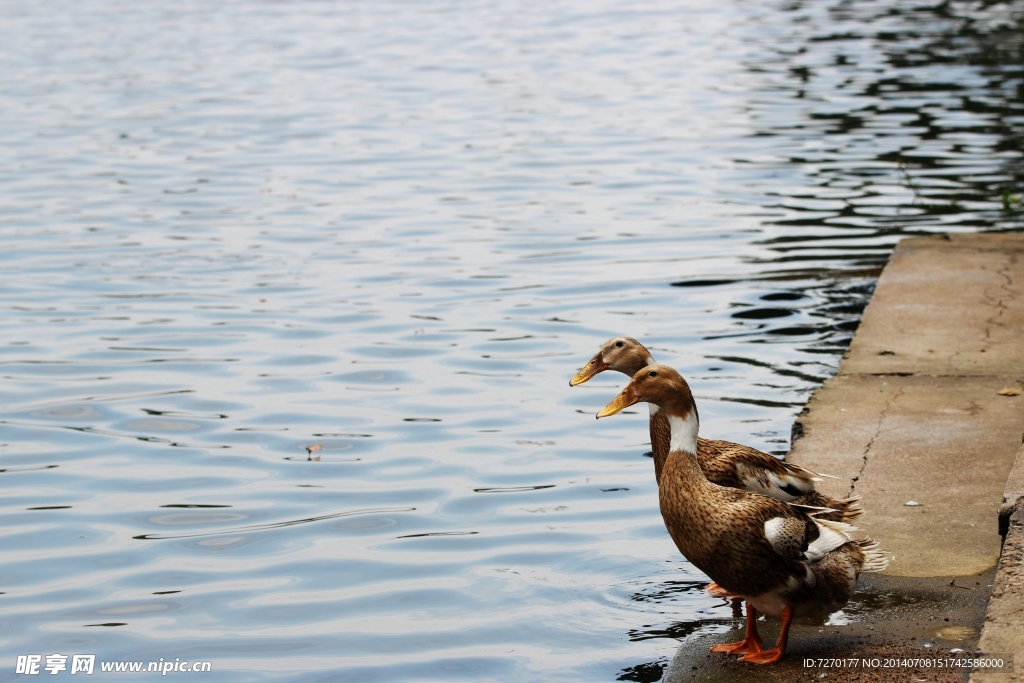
x,y
652,373
618,344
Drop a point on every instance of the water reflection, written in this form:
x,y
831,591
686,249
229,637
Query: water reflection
x,y
236,231
209,518
910,121
649,672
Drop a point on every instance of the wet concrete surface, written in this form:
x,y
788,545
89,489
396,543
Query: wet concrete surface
x,y
890,618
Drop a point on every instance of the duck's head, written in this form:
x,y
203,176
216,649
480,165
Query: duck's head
x,y
621,354
657,384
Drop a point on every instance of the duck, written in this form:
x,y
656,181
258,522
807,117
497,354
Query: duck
x,y
784,560
723,462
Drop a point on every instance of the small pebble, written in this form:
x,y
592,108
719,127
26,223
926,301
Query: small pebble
x,y
912,504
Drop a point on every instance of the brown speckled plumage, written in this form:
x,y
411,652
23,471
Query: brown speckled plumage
x,y
722,462
776,556
721,531
717,529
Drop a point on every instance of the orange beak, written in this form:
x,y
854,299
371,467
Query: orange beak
x,y
594,367
625,399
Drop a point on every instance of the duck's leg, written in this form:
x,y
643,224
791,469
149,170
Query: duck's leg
x,y
774,654
751,642
736,607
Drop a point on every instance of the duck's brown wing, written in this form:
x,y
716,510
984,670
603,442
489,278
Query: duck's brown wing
x,y
732,464
742,467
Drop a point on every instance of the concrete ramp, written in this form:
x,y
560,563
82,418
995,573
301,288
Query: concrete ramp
x,y
926,414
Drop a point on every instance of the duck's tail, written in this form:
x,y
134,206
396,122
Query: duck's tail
x,y
831,535
839,510
875,559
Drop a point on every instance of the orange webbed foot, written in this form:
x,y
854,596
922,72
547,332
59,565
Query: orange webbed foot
x,y
775,654
751,642
763,656
747,645
716,591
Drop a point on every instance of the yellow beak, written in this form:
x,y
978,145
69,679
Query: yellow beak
x,y
624,400
595,366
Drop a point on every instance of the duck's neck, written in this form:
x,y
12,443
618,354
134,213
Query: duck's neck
x,y
684,432
633,364
682,449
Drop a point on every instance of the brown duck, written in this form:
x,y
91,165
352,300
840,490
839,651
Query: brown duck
x,y
782,560
723,462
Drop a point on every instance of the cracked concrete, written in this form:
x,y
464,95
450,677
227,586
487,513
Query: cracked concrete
x,y
914,415
945,305
921,439
867,448
1008,289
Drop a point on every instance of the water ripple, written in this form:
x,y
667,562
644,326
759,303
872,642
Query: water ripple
x,y
182,519
236,231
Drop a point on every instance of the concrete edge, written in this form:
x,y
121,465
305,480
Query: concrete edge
x,y
980,241
1003,631
1013,496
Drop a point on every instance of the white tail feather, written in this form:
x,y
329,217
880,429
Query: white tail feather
x,y
838,527
831,535
874,558
811,510
810,474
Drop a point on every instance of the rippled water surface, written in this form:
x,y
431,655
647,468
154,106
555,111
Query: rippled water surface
x,y
232,231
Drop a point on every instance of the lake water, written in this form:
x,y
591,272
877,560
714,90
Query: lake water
x,y
395,229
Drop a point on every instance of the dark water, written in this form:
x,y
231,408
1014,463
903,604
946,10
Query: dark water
x,y
234,230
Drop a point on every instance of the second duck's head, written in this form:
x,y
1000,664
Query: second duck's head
x,y
657,384
621,354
